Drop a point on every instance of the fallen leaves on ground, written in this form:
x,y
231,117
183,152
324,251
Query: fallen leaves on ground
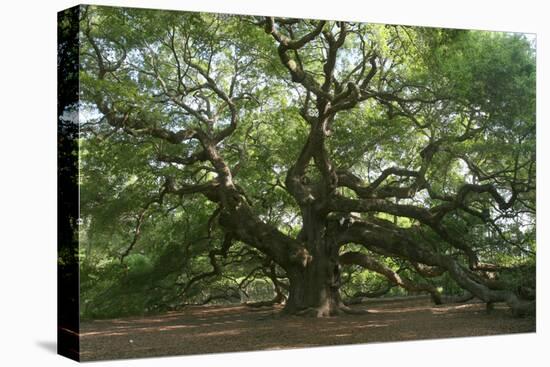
x,y
217,329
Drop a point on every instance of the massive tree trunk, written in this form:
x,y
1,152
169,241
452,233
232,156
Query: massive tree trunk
x,y
314,288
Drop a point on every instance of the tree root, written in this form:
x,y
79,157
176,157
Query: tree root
x,y
354,311
316,312
323,311
261,304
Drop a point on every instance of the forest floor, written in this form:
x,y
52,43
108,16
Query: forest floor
x,y
217,329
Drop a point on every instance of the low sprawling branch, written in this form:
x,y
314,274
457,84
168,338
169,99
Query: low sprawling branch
x,y
367,262
393,243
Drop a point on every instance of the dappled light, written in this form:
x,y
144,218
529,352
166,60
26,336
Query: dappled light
x,y
245,330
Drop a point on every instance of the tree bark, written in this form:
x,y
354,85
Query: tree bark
x,y
314,289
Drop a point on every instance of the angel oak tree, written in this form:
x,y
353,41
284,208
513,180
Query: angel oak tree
x,y
322,144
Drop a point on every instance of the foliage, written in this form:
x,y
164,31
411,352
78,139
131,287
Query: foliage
x,y
454,107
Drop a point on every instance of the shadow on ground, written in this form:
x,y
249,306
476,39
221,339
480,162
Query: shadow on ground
x,y
220,329
48,345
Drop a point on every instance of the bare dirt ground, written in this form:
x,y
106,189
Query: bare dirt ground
x,y
216,329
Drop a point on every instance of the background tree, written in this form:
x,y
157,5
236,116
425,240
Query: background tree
x,y
220,150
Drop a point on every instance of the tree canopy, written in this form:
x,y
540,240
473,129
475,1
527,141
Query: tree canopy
x,y
229,158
